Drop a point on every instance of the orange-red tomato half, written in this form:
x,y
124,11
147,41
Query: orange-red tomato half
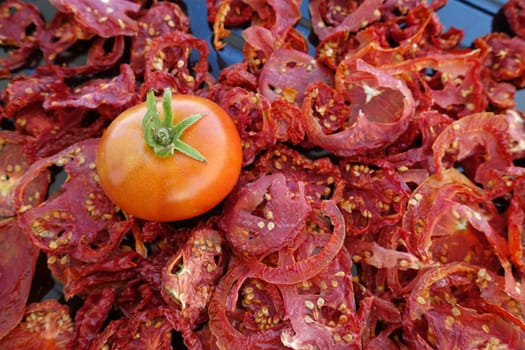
x,y
176,187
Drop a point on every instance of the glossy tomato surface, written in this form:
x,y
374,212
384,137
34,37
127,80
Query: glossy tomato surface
x,y
177,187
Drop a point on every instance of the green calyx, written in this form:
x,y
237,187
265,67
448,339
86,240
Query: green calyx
x,y
164,137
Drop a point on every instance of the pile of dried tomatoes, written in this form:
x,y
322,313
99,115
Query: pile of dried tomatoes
x,y
380,204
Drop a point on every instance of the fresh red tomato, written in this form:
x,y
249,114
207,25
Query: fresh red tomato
x,y
173,164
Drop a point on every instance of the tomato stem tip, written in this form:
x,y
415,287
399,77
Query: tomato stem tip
x,y
162,135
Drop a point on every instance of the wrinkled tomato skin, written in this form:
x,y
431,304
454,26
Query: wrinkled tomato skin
x,y
174,188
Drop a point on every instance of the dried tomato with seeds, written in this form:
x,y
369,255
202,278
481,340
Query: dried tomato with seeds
x,y
189,277
46,325
77,219
106,19
246,312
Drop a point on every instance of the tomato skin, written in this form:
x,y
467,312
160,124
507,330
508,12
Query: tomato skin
x,y
173,188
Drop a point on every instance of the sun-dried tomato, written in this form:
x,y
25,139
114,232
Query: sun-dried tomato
x,y
169,63
321,177
479,143
60,35
368,109
502,56
371,198
45,325
513,11
20,23
314,248
106,19
189,277
265,216
78,218
13,164
92,315
246,312
287,74
457,304
143,330
17,266
323,310
251,112
161,18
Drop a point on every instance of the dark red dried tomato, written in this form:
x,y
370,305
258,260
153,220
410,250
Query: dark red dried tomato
x,y
13,164
265,215
479,143
17,266
20,23
168,63
246,312
107,19
92,315
288,72
161,18
368,109
78,219
189,277
147,329
46,325
514,12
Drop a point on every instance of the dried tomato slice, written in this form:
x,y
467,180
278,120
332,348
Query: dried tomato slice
x,y
17,266
108,96
314,248
13,164
502,57
189,277
459,298
20,23
265,215
61,34
479,143
169,63
106,19
251,113
453,81
323,310
288,72
321,177
246,312
147,329
369,109
161,18
513,11
330,16
92,315
46,325
371,198
78,219
435,222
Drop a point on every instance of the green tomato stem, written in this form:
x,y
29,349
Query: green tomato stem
x,y
164,137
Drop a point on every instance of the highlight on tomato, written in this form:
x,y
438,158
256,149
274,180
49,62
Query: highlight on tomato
x,y
172,164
